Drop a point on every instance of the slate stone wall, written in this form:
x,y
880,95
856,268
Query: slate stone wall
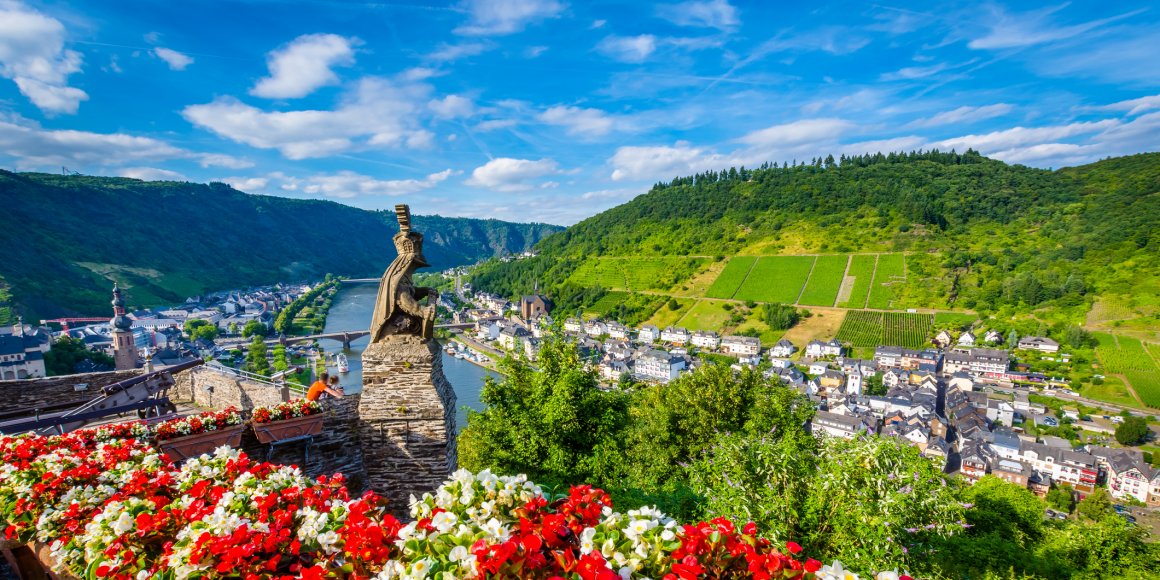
x,y
407,418
35,393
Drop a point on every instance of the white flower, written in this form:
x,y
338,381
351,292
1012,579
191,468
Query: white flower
x,y
444,521
887,575
835,571
123,523
420,568
458,553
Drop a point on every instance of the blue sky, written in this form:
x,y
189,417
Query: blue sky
x,y
550,110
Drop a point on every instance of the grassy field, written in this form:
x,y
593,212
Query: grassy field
x,y
606,303
825,280
823,324
861,272
708,315
1112,391
869,329
730,279
666,317
603,273
659,273
890,271
955,319
698,285
776,279
1126,356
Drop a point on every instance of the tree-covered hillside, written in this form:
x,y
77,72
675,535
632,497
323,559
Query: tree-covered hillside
x,y
963,232
66,237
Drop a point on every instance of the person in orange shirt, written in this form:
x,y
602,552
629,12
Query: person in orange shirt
x,y
321,386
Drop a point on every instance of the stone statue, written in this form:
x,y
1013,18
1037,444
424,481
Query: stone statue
x,y
397,307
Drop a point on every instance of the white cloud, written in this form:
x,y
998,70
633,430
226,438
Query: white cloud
x,y
535,51
347,184
577,121
304,65
598,24
499,17
495,124
32,55
798,132
646,163
832,39
708,14
247,184
1007,139
1031,28
151,174
452,52
1135,106
175,60
452,107
376,113
507,174
631,49
913,72
219,160
964,115
34,147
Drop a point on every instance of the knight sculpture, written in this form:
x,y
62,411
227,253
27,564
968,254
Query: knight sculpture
x,y
397,307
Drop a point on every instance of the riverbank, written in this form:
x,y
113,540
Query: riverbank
x,y
493,355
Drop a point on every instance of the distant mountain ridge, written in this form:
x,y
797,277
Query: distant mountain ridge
x,y
67,237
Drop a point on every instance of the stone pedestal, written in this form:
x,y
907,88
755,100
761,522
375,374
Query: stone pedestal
x,y
407,419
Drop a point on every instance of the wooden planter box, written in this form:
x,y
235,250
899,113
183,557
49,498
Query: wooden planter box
x,y
183,448
288,428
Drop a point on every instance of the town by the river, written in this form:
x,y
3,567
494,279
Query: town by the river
x,y
352,309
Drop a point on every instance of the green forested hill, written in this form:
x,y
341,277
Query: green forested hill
x,y
946,230
66,237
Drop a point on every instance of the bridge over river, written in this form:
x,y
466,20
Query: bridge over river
x,y
344,337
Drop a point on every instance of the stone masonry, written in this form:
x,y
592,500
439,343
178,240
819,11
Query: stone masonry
x,y
33,393
407,419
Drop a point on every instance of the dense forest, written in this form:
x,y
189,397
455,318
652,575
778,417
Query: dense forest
x,y
980,234
68,236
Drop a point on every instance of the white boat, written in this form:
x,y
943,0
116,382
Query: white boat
x,y
460,356
343,365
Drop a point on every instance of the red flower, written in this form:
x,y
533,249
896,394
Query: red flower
x,y
793,547
812,565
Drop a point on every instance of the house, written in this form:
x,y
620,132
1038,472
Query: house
x,y
894,377
511,337
1039,483
967,339
595,328
612,370
980,361
648,334
675,335
832,379
573,325
854,381
1003,442
782,349
741,345
943,339
834,425
975,461
618,331
658,365
962,381
19,359
706,339
938,448
818,367
1129,477
780,363
993,337
534,306
817,348
1040,343
1011,471
1078,469
1000,411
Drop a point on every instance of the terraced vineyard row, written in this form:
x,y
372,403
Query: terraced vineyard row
x,y
891,272
861,272
776,279
866,329
1127,356
657,273
1147,385
730,279
825,280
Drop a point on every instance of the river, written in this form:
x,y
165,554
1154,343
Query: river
x,y
352,310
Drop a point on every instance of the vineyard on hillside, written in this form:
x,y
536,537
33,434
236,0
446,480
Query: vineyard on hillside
x,y
776,279
1127,356
730,279
862,272
891,271
866,329
825,280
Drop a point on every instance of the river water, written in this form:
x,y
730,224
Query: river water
x,y
352,310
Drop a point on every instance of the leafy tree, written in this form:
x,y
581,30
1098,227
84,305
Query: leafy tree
x,y
781,316
256,361
1096,505
1133,431
198,328
555,424
1108,548
873,386
280,361
1006,524
254,328
1061,498
66,352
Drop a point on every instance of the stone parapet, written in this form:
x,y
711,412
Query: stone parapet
x,y
407,419
52,391
215,390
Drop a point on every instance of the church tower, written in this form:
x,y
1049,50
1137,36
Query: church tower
x,y
124,347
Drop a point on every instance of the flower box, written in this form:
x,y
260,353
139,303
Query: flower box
x,y
288,428
182,448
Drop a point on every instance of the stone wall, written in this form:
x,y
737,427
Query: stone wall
x,y
47,392
216,390
407,417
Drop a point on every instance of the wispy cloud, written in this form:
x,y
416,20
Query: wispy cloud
x,y
175,60
964,115
501,17
578,121
452,52
719,14
631,49
1007,30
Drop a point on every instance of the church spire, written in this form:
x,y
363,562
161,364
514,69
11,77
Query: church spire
x,y
119,321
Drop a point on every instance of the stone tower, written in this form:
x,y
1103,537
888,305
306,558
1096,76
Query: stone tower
x,y
124,347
